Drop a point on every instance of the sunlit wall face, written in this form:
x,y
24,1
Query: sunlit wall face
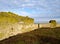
x,y
40,10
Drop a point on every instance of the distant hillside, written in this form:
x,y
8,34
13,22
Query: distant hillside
x,y
9,17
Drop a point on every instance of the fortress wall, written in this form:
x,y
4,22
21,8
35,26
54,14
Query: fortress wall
x,y
14,29
58,25
44,25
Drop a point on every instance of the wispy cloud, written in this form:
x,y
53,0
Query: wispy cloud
x,y
37,8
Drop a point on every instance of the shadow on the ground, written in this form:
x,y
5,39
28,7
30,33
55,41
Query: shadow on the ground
x,y
31,38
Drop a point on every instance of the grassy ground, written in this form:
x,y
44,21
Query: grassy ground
x,y
38,36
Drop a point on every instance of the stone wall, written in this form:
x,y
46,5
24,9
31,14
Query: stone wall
x,y
8,30
14,29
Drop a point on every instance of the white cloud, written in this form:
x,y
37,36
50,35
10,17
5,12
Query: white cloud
x,y
24,13
42,8
27,5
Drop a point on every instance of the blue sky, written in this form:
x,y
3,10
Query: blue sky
x,y
40,10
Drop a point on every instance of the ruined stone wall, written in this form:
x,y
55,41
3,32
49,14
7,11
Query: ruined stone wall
x,y
14,29
8,30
